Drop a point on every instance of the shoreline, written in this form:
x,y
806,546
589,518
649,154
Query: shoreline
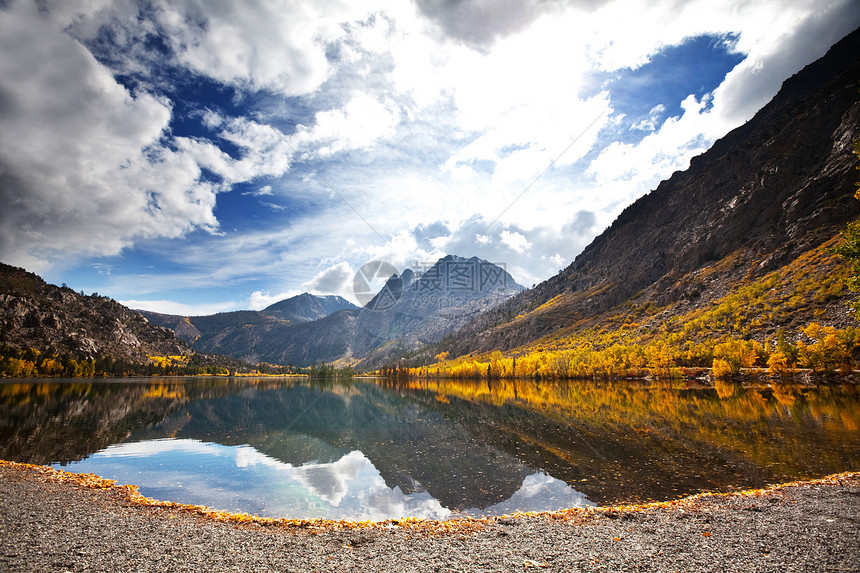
x,y
133,497
52,520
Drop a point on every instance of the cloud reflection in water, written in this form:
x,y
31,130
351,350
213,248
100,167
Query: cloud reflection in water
x,y
241,479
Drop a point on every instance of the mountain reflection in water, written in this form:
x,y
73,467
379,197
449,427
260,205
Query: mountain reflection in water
x,y
374,450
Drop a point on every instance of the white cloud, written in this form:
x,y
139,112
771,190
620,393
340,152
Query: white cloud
x,y
455,108
557,259
358,125
180,309
278,46
654,114
336,279
83,168
266,151
261,299
663,151
515,241
478,24
264,191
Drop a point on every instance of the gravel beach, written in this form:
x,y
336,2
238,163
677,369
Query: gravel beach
x,y
51,521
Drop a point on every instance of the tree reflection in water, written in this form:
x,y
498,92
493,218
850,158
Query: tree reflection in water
x,y
436,447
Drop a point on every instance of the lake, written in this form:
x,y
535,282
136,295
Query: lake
x,y
374,449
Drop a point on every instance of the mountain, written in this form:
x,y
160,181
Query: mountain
x,y
307,307
416,310
412,310
766,198
58,321
218,332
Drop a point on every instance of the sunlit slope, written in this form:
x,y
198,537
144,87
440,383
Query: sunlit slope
x,y
776,313
763,199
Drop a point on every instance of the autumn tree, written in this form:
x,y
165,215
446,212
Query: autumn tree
x,y
850,245
732,355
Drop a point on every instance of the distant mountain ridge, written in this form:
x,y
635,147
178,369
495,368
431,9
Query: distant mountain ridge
x,y
230,333
412,310
762,196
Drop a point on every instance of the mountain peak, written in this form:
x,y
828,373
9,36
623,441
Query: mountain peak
x,y
307,307
454,272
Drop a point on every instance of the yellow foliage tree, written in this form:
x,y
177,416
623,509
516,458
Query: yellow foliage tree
x,y
733,355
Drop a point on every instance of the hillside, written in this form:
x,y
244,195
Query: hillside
x,y
207,331
36,316
755,211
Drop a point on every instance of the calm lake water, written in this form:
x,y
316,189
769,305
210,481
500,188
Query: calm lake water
x,y
369,449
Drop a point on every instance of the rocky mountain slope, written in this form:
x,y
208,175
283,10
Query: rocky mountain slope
x,y
58,321
763,196
426,308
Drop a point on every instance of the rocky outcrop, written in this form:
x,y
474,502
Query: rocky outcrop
x,y
58,321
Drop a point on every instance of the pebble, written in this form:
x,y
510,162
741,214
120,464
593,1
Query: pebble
x,y
57,527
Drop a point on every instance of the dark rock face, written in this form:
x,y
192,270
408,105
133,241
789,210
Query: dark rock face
x,y
57,320
766,192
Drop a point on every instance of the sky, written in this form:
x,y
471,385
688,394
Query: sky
x,y
201,156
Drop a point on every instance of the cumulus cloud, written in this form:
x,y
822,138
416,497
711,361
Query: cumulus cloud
x,y
515,241
416,116
270,45
336,279
78,147
265,151
356,125
89,167
479,23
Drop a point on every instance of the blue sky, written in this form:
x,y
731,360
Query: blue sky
x,y
192,156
